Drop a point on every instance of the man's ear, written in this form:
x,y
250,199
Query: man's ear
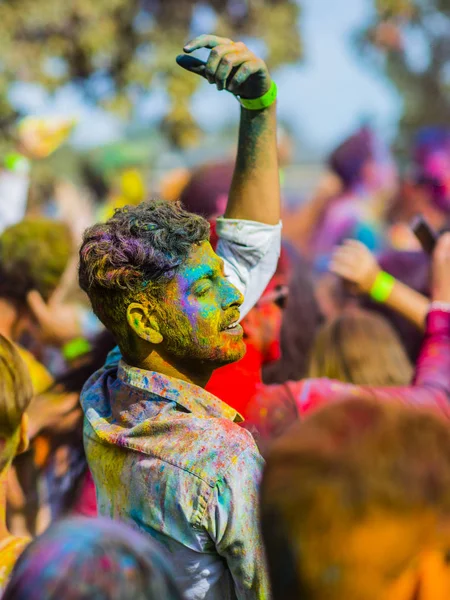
x,y
144,323
24,441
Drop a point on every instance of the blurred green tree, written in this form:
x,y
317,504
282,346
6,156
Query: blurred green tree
x,y
111,49
414,41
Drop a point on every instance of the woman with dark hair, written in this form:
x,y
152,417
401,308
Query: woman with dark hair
x,y
300,322
81,559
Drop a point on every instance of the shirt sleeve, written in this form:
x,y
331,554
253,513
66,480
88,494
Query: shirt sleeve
x,y
232,521
431,386
275,407
250,251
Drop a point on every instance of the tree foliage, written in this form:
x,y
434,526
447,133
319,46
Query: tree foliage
x,y
112,49
414,38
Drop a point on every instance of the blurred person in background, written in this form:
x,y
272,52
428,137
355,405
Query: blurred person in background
x,y
350,202
128,189
81,559
36,138
15,396
301,318
53,478
274,407
34,255
407,303
362,348
426,189
355,503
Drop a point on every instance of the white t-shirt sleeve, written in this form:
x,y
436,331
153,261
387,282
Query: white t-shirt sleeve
x,y
250,251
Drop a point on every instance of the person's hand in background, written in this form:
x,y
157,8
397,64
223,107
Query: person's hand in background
x,y
441,270
355,263
58,321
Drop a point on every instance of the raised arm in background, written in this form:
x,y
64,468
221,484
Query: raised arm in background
x,y
275,406
355,263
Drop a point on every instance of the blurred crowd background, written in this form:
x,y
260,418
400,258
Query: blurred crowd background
x,y
91,95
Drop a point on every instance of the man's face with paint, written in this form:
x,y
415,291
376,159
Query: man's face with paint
x,y
201,312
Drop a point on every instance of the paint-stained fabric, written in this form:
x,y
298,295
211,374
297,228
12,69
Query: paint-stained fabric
x,y
275,407
169,457
10,550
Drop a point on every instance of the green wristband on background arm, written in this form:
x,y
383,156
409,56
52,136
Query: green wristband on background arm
x,y
15,162
382,287
263,101
76,348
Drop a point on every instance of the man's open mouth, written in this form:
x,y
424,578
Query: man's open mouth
x,y
233,325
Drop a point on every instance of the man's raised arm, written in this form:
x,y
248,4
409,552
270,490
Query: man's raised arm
x,y
250,233
255,190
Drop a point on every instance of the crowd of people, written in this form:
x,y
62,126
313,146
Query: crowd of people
x,y
213,395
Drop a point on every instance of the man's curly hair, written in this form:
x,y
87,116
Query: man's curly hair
x,y
33,256
135,254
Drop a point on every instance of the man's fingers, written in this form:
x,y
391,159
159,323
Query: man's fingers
x,y
194,65
247,69
341,270
214,60
231,60
205,41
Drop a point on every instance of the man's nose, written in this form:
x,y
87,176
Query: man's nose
x,y
232,297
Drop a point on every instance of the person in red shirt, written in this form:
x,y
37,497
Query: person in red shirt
x,y
275,407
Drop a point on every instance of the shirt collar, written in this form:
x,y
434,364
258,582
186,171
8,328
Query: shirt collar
x,y
191,397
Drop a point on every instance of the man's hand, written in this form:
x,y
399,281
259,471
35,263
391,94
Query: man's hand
x,y
231,66
255,189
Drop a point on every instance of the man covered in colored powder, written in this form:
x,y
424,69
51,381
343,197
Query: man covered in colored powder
x,y
165,454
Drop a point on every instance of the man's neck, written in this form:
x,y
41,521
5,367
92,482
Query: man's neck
x,y
184,371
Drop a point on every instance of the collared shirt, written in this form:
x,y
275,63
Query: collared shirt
x,y
170,458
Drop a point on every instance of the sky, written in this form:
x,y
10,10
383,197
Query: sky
x,y
323,99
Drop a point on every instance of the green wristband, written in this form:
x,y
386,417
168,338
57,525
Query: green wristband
x,y
263,101
15,162
382,287
76,348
